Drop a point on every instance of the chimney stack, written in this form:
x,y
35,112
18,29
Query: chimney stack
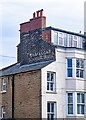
x,y
38,21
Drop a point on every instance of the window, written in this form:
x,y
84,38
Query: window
x,y
50,81
60,38
3,85
80,103
55,38
79,68
70,40
65,39
70,103
51,110
75,103
3,111
75,41
69,67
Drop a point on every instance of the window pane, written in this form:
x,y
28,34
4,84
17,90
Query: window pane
x,y
77,63
48,77
75,43
81,73
48,107
78,109
77,73
4,87
70,98
65,39
47,85
82,98
78,97
60,41
52,107
69,62
51,86
82,109
69,74
51,111
70,109
52,116
70,40
52,76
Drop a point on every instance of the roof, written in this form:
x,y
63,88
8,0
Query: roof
x,y
61,30
17,68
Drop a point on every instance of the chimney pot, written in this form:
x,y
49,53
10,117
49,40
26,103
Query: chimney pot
x,y
41,12
34,15
37,13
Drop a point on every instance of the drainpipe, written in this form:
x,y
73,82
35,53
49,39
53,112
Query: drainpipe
x,y
13,96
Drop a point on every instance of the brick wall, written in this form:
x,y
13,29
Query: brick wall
x,y
27,95
7,97
46,35
38,21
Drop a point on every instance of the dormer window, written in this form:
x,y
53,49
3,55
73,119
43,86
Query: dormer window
x,y
60,39
75,41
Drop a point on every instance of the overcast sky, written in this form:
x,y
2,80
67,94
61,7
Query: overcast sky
x,y
63,14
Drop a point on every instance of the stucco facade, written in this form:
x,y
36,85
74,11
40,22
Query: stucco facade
x,y
63,83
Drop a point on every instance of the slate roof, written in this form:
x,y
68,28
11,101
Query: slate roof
x,y
17,68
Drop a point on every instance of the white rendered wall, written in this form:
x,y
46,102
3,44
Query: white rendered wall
x,y
59,96
63,84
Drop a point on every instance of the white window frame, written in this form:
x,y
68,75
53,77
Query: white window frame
x,y
70,40
79,68
51,112
75,103
55,41
81,104
51,82
3,84
75,40
3,112
61,36
69,68
70,103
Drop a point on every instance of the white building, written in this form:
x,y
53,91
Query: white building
x,y
65,89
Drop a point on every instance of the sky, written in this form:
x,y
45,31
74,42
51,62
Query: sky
x,y
63,14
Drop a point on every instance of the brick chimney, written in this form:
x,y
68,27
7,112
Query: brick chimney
x,y
38,21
